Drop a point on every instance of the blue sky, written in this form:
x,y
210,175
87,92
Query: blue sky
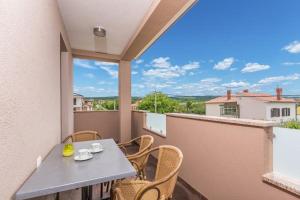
x,y
217,45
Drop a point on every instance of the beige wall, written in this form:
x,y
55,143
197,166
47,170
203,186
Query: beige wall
x,y
30,122
125,100
105,122
222,161
212,109
250,108
67,115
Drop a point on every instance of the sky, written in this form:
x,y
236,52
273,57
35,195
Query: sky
x,y
217,45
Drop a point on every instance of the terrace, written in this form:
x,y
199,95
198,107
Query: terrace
x,y
224,158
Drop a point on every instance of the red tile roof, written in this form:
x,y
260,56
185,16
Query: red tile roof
x,y
258,96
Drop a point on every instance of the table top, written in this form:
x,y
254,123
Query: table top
x,y
58,173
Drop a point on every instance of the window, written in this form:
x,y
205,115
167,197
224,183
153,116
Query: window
x,y
275,112
285,112
74,101
229,110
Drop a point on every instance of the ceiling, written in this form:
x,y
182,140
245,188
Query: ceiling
x,y
120,18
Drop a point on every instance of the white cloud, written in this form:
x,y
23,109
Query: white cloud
x,y
109,67
161,62
208,86
224,64
134,72
254,67
104,83
291,63
112,72
89,75
140,86
293,47
210,80
88,89
191,66
162,68
98,63
83,64
171,72
275,79
139,61
236,84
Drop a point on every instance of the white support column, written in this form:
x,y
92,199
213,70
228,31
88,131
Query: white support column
x,y
125,100
67,115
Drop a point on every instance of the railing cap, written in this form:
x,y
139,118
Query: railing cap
x,y
245,122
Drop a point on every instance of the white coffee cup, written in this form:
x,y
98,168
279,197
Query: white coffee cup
x,y
96,146
83,153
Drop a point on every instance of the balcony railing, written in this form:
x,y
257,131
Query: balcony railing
x,y
156,122
286,151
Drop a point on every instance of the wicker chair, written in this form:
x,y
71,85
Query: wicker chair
x,y
169,162
83,136
145,143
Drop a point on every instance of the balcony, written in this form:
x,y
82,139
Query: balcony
x,y
224,158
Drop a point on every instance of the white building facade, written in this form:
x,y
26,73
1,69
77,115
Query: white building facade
x,y
253,106
77,102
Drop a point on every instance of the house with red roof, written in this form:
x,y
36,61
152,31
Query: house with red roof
x,y
257,106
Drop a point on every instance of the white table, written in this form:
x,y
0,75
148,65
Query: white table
x,y
58,173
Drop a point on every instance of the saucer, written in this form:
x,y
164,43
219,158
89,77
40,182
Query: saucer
x,y
78,158
96,151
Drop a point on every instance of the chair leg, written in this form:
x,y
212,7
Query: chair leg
x,y
107,186
57,196
101,190
90,191
84,195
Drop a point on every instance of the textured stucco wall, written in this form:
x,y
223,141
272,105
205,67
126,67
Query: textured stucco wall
x,y
67,115
29,87
212,110
250,108
222,161
107,123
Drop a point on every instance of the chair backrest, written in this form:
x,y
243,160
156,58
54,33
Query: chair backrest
x,y
146,142
168,164
83,136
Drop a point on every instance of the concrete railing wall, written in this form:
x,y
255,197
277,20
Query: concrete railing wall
x,y
105,122
223,159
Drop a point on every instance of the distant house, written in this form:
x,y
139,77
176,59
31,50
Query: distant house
x,y
88,105
253,106
135,105
77,102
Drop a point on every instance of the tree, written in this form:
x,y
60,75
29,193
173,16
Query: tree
x,y
189,105
162,102
198,108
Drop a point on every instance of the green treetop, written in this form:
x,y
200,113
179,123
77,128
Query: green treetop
x,y
158,102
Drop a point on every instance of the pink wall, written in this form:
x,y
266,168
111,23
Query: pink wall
x,y
67,115
125,100
223,161
30,115
105,122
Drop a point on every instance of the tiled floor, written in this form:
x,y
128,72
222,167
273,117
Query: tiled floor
x,y
181,192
